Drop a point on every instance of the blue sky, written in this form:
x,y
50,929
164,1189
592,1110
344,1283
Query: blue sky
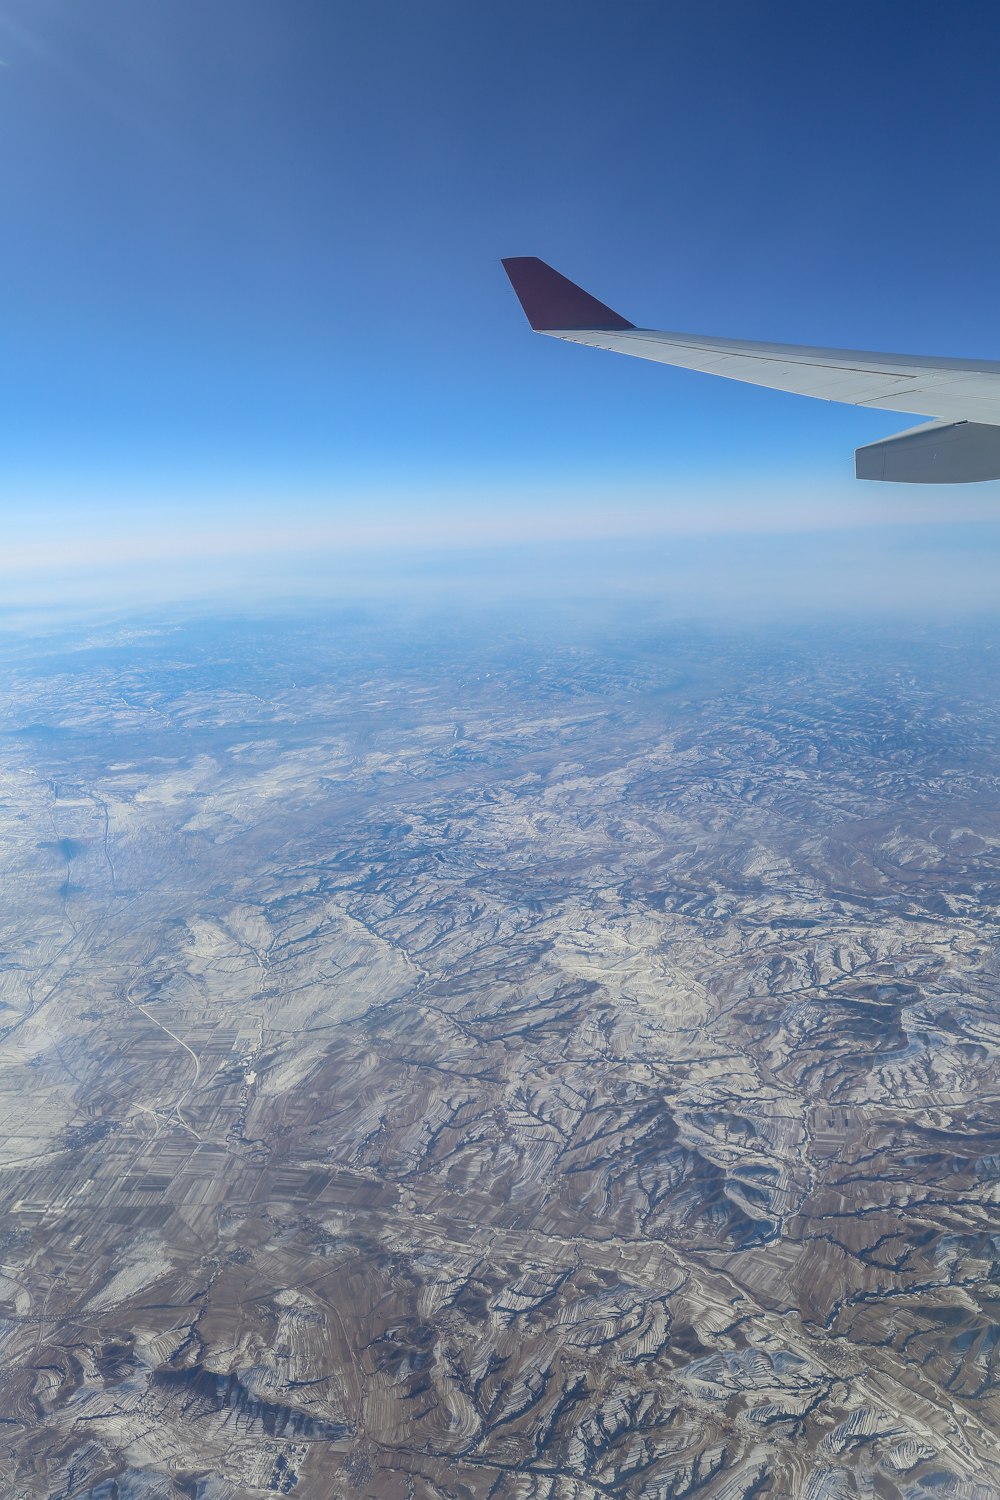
x,y
250,254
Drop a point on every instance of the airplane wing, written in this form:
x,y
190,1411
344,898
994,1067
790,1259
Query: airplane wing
x,y
961,445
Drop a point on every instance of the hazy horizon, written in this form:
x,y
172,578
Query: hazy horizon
x,y
925,570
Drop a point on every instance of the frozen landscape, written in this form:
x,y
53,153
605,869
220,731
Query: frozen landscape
x,y
450,1059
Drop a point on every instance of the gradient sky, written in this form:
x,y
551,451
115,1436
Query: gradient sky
x,y
251,248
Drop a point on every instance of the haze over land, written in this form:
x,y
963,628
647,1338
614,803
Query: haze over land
x,y
488,1053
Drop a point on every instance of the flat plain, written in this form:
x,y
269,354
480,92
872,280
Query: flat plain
x,y
477,1058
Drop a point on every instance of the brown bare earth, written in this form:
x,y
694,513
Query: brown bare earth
x,y
492,1060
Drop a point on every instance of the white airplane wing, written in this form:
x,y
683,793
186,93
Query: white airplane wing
x,y
961,445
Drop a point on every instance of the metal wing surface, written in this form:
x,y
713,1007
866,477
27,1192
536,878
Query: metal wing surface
x,y
958,393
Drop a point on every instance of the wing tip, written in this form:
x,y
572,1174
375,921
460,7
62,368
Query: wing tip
x,y
551,301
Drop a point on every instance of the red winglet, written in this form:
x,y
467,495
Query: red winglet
x,y
551,301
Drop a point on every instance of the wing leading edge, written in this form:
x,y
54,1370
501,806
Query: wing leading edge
x,y
961,445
